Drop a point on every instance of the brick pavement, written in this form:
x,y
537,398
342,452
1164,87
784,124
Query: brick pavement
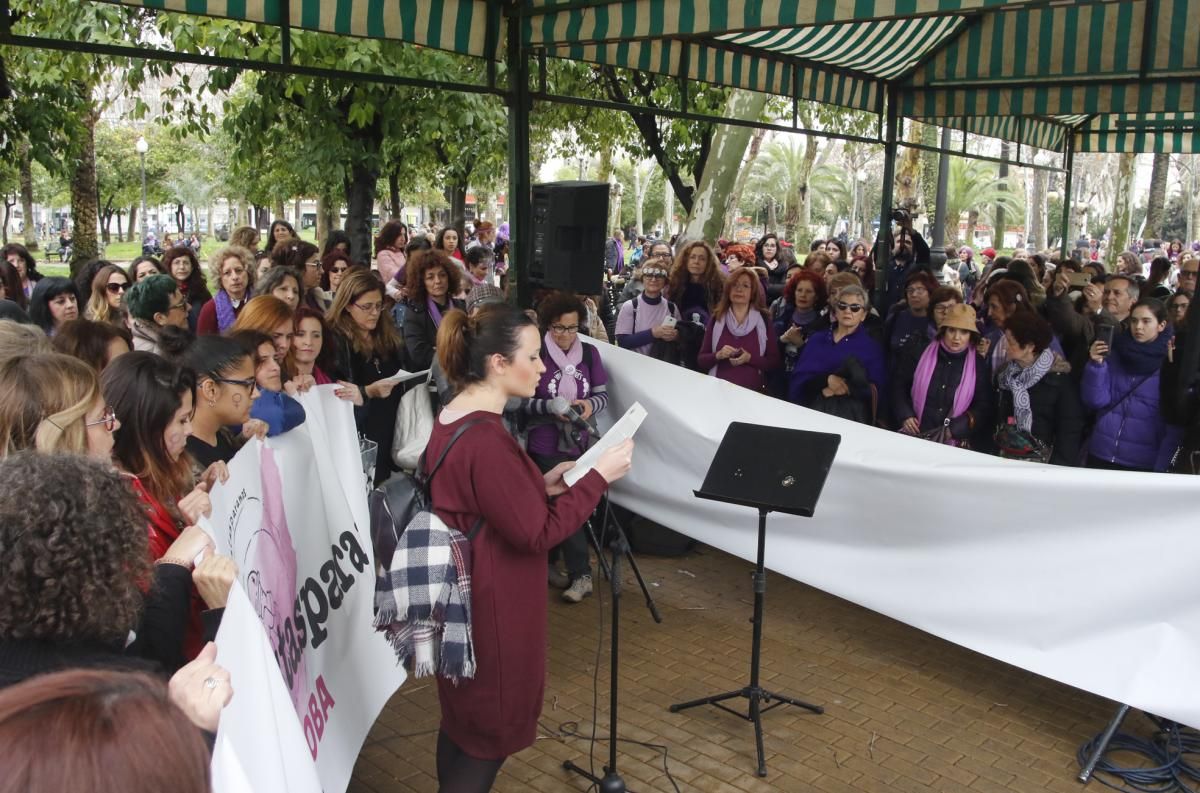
x,y
905,711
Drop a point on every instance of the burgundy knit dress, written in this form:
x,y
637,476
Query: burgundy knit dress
x,y
487,475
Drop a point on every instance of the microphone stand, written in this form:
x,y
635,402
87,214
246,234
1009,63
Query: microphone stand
x,y
618,547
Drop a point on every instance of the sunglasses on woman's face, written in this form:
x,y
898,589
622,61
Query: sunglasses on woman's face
x,y
337,269
116,288
853,308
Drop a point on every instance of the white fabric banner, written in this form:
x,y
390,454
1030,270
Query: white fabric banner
x,y
293,515
1084,576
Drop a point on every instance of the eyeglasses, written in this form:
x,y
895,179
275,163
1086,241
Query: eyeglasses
x,y
313,265
916,290
369,308
570,329
108,419
660,276
246,384
337,269
942,308
853,308
178,307
116,288
1188,273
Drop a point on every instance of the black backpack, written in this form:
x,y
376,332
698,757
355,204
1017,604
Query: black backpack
x,y
395,503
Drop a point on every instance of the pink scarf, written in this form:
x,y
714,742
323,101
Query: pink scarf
x,y
567,363
753,322
924,374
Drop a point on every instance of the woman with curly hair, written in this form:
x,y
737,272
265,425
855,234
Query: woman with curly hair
x,y
804,300
145,266
245,237
181,264
52,403
95,343
108,294
696,283
740,344
433,280
448,242
19,257
232,269
80,582
151,451
367,351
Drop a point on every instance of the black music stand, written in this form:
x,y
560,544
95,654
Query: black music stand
x,y
773,470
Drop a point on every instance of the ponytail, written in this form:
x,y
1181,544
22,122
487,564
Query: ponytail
x,y
466,344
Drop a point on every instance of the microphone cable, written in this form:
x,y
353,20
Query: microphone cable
x,y
1173,752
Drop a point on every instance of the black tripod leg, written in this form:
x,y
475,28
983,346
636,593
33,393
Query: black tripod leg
x,y
715,698
756,717
769,695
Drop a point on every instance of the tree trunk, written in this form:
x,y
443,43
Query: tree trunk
x,y
106,216
772,219
323,225
84,201
296,218
1122,192
180,217
360,198
1157,202
668,211
639,198
908,174
394,194
728,148
120,227
26,179
133,221
972,222
1036,234
801,202
279,210
734,199
208,219
456,197
615,191
998,220
929,171
8,205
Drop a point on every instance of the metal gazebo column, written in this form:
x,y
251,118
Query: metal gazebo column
x,y
883,252
1069,165
520,208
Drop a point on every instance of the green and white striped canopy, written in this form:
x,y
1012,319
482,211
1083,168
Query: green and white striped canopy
x,y
1106,75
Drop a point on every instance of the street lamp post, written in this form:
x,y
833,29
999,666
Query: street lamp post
x,y
142,148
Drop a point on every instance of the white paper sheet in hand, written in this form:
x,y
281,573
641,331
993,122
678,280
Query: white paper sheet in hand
x,y
402,376
622,431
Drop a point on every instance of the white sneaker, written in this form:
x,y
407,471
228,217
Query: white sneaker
x,y
580,588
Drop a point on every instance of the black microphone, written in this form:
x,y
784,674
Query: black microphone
x,y
559,406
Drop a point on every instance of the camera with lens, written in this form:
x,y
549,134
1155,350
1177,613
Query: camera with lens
x,y
901,215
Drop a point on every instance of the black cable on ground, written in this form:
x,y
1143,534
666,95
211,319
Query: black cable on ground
x,y
1168,751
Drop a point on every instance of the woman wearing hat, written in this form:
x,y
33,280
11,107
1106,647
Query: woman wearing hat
x,y
949,388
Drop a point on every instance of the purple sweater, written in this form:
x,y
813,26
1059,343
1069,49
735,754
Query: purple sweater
x,y
549,439
752,374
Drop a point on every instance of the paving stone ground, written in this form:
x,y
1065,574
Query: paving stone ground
x,y
905,711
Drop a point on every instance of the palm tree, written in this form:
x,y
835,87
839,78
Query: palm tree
x,y
781,174
974,188
832,191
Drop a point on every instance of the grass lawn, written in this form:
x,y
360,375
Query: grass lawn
x,y
124,252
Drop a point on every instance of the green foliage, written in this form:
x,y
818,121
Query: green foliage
x,y
974,186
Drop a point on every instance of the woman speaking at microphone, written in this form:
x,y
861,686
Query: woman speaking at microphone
x,y
522,513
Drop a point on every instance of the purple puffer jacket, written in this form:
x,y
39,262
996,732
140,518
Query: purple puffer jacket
x,y
1131,432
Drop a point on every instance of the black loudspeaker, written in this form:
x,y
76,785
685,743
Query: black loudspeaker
x,y
569,232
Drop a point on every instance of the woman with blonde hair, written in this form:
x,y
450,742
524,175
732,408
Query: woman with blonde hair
x,y
740,344
52,403
108,291
18,338
232,270
367,351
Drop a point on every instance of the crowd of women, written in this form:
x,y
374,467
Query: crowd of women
x,y
1027,357
125,390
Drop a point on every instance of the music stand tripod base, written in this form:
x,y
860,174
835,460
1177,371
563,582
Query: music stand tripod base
x,y
742,473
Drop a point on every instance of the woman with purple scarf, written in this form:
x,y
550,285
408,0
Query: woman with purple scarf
x,y
643,319
740,344
575,373
947,396
432,278
232,269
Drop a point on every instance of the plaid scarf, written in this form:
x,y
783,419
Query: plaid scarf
x,y
423,600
